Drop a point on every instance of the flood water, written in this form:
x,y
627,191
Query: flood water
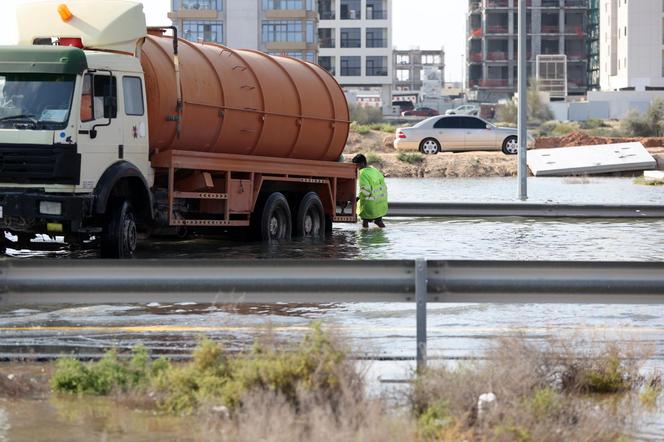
x,y
388,330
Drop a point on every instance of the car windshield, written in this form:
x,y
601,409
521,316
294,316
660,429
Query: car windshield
x,y
35,101
423,122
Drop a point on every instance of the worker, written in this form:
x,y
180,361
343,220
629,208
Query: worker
x,y
372,200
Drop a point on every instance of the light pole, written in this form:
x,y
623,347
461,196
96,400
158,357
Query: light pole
x,y
523,102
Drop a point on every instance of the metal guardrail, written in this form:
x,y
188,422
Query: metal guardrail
x,y
42,282
406,209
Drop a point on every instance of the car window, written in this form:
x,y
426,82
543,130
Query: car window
x,y
473,123
447,123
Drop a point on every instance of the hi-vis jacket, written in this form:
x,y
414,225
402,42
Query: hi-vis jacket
x,y
373,194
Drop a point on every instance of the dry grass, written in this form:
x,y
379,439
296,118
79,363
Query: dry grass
x,y
544,393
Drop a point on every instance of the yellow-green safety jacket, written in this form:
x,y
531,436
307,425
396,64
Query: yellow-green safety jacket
x,y
373,194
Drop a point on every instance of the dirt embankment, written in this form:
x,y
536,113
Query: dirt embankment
x,y
472,164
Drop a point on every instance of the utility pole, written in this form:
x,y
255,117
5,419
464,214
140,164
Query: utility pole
x,y
523,102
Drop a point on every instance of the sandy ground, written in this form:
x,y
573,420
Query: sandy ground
x,y
474,164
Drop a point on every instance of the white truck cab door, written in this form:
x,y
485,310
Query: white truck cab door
x,y
134,119
100,133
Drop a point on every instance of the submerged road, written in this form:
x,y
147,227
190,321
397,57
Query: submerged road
x,y
531,210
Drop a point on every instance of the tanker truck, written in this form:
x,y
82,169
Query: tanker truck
x,y
109,129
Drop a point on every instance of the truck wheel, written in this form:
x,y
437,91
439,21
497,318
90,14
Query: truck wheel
x,y
310,217
120,233
276,221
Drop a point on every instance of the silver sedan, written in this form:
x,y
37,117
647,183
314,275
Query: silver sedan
x,y
454,134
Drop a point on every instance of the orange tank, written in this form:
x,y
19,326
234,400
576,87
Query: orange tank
x,y
242,102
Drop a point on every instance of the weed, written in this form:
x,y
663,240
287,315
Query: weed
x,y
374,158
642,181
383,127
365,115
647,125
649,395
359,128
410,157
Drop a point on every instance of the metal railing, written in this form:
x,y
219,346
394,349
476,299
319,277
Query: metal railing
x,y
533,210
44,282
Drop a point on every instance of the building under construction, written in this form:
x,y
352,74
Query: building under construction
x,y
555,27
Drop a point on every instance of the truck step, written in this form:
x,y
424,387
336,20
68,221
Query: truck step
x,y
200,195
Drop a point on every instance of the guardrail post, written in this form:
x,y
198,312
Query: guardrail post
x,y
421,315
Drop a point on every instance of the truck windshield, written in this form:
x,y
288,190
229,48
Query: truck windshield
x,y
35,101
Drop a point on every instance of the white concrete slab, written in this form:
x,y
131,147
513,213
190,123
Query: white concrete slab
x,y
602,158
653,175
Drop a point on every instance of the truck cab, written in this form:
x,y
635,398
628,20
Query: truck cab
x,y
73,144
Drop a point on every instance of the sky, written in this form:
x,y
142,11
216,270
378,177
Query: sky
x,y
427,24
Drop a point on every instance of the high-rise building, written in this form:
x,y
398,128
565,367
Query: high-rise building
x,y
419,70
555,27
279,27
355,43
632,45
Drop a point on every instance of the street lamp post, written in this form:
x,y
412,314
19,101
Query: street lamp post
x,y
523,102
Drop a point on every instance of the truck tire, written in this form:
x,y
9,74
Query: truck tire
x,y
120,233
275,222
310,217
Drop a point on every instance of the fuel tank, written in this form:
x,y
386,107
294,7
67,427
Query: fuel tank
x,y
241,102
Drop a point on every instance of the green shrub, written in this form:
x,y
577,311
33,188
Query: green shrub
x,y
646,125
107,375
361,129
316,365
557,128
538,110
410,157
383,127
374,158
365,115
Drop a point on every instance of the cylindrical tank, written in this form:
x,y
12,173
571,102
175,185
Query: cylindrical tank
x,y
242,102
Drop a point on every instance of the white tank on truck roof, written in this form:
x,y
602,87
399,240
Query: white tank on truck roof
x,y
114,25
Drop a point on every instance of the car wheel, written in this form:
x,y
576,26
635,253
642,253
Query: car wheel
x,y
511,146
429,146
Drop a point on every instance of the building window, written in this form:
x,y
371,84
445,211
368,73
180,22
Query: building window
x,y
198,4
351,37
203,30
403,59
403,75
351,66
287,4
376,9
376,66
282,30
351,9
310,31
326,37
327,63
326,9
376,37
431,59
309,56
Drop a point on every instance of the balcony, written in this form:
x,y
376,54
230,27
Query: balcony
x,y
550,3
494,83
575,3
496,56
550,29
497,29
476,57
497,4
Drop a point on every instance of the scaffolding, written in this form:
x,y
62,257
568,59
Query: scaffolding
x,y
593,41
